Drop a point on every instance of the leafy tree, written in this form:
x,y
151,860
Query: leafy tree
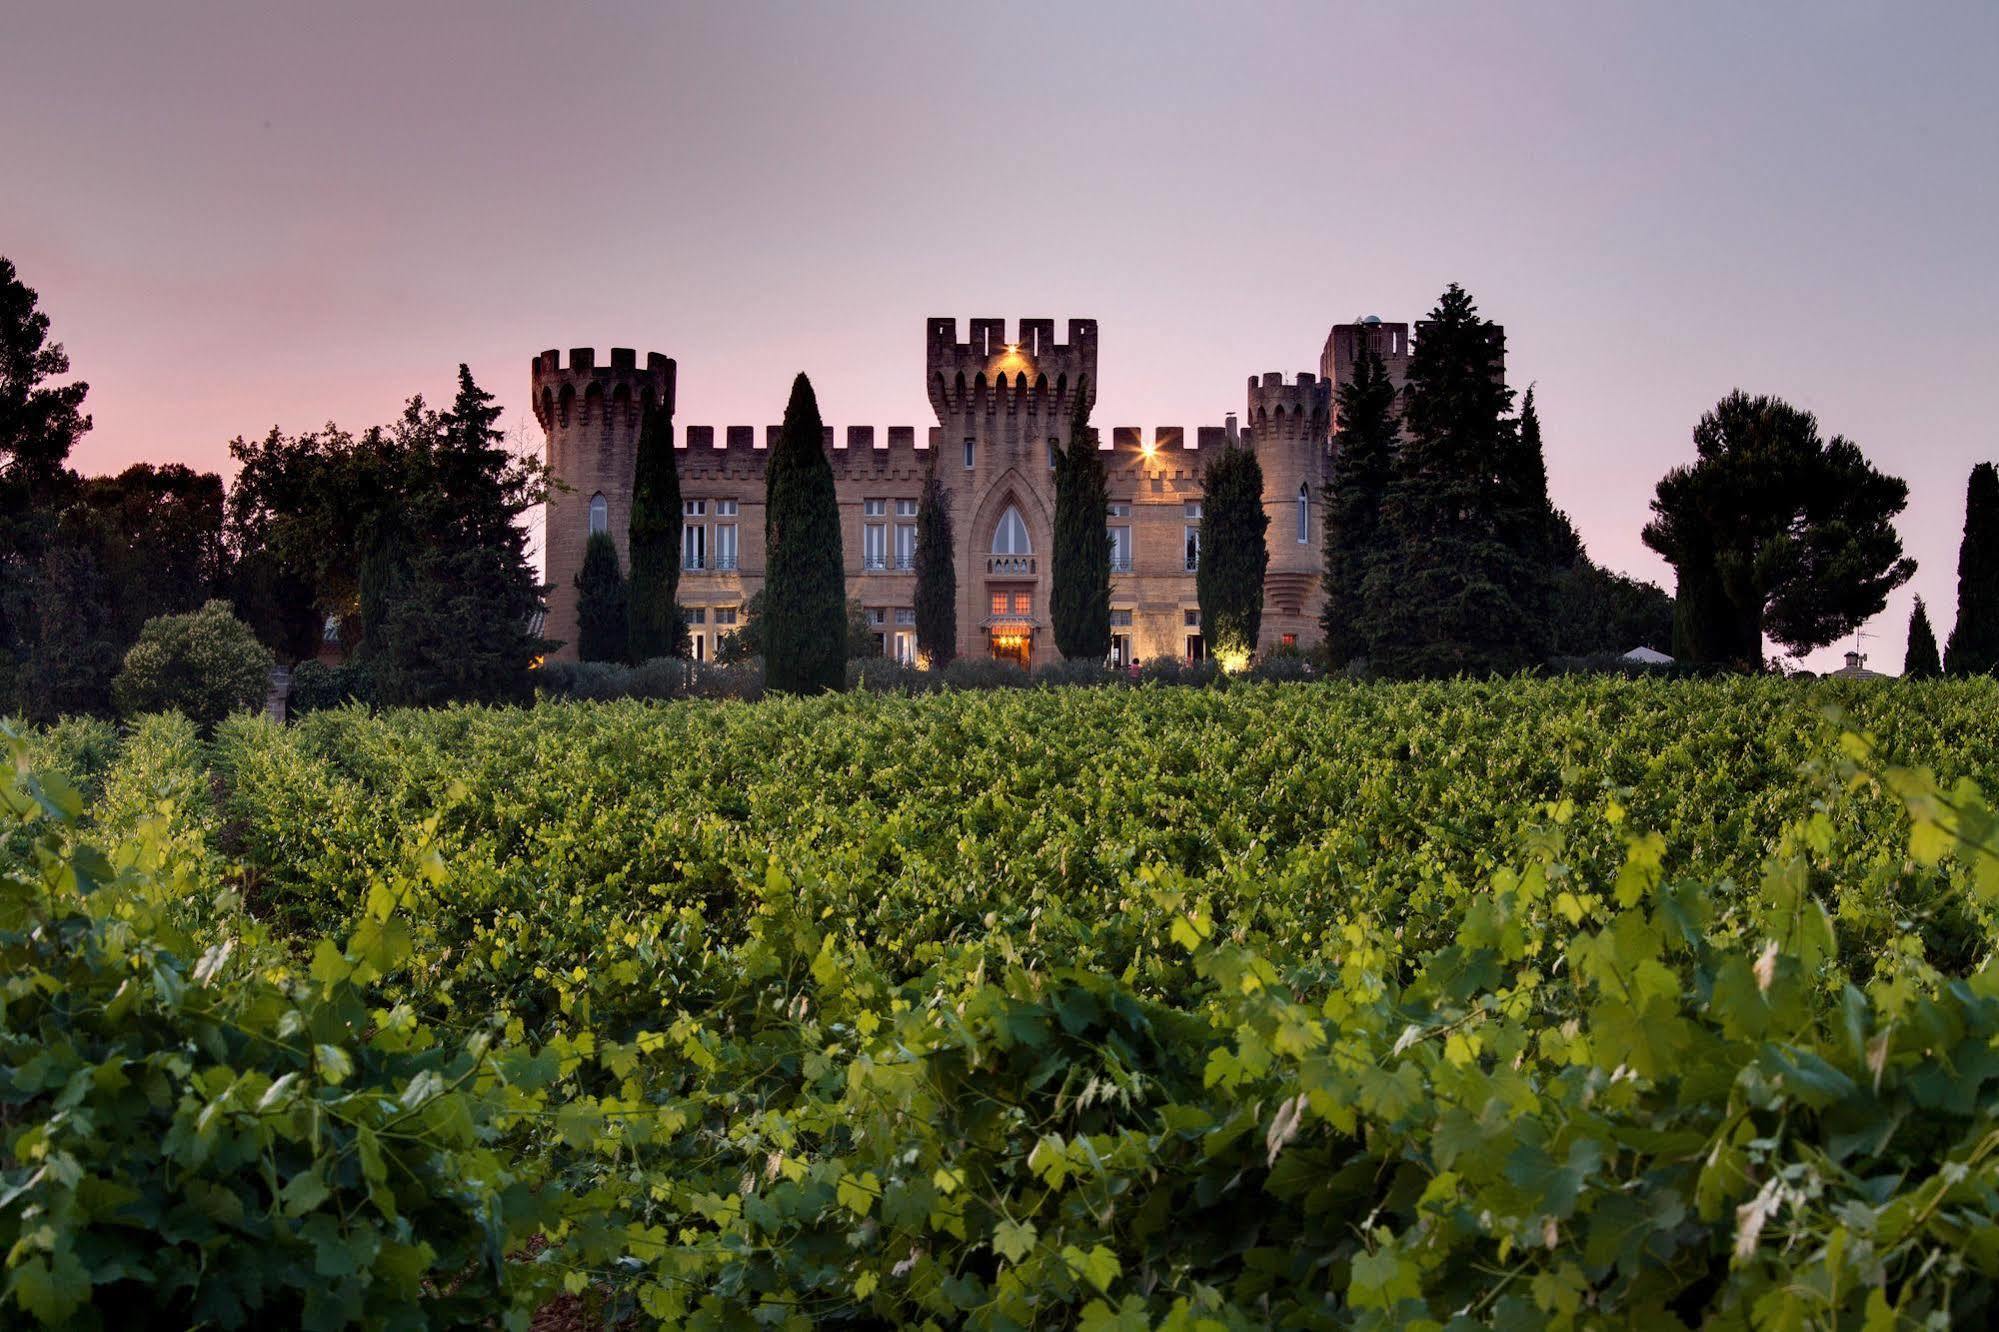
x,y
68,644
1464,586
203,665
1774,532
602,628
863,640
444,635
1234,553
39,422
936,575
1599,611
1363,462
1079,570
157,536
1974,639
805,585
1921,662
657,628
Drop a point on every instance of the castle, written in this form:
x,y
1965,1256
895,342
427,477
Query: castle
x,y
1002,405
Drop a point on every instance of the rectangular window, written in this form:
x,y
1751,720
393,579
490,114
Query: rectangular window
x,y
999,603
1023,603
877,615
697,646
693,508
905,508
968,453
905,647
1120,650
1120,549
725,508
1193,547
725,615
1120,619
694,546
1118,509
1193,508
874,546
905,615
1191,618
695,614
1196,649
874,508
905,545
725,545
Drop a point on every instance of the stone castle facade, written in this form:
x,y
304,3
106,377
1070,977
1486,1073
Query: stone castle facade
x,y
1000,402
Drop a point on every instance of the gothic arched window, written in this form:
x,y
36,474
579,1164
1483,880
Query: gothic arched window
x,y
600,514
1010,537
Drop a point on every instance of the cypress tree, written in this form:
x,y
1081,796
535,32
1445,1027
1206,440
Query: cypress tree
x,y
805,586
936,575
1355,533
1234,553
1465,586
600,602
1079,593
653,535
1920,662
1974,639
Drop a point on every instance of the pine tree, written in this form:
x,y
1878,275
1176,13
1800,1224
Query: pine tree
x,y
1079,574
805,587
1355,533
1774,532
656,628
1465,585
1234,554
936,576
1974,639
600,602
1920,662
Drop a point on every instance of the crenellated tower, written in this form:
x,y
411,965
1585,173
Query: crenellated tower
x,y
1289,426
590,415
999,403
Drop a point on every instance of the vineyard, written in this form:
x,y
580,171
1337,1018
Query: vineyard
x,y
1525,1004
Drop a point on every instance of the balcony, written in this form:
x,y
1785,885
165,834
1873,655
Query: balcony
x,y
1009,564
726,563
874,563
1120,562
692,564
904,563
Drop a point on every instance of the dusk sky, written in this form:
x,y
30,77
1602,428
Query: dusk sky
x,y
240,216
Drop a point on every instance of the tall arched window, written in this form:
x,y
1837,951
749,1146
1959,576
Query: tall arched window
x,y
1012,552
1304,514
600,514
1010,537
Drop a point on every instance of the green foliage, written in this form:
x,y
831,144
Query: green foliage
x,y
203,665
1079,568
1774,531
936,575
1920,661
1234,553
1464,585
1974,639
805,590
196,1133
1599,611
1363,462
59,611
454,628
602,629
316,685
39,421
657,628
1570,1003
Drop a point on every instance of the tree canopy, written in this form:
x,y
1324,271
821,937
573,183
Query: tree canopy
x,y
1774,532
1920,661
805,584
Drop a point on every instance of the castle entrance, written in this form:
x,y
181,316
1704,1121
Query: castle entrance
x,y
1014,643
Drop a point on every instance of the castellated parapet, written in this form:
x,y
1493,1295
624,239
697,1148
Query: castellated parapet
x,y
591,415
1289,427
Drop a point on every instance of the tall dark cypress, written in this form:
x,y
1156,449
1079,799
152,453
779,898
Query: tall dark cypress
x,y
601,631
1974,639
1465,589
1235,553
805,584
936,575
654,626
1355,532
1921,662
1079,592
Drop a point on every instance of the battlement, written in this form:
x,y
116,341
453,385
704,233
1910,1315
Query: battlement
x,y
865,450
1277,408
583,390
1030,372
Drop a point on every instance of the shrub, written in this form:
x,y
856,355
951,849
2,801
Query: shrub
x,y
204,665
1078,672
316,685
1284,665
983,673
885,675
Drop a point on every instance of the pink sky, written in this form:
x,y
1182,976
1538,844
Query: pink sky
x,y
240,216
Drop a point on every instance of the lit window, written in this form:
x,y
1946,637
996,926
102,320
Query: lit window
x,y
1304,514
999,603
600,514
1023,603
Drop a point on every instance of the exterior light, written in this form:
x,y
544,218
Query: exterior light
x,y
1233,660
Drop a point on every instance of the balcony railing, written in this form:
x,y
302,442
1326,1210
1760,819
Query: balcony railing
x,y
692,564
1120,563
1193,563
1009,564
873,562
904,563
725,562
